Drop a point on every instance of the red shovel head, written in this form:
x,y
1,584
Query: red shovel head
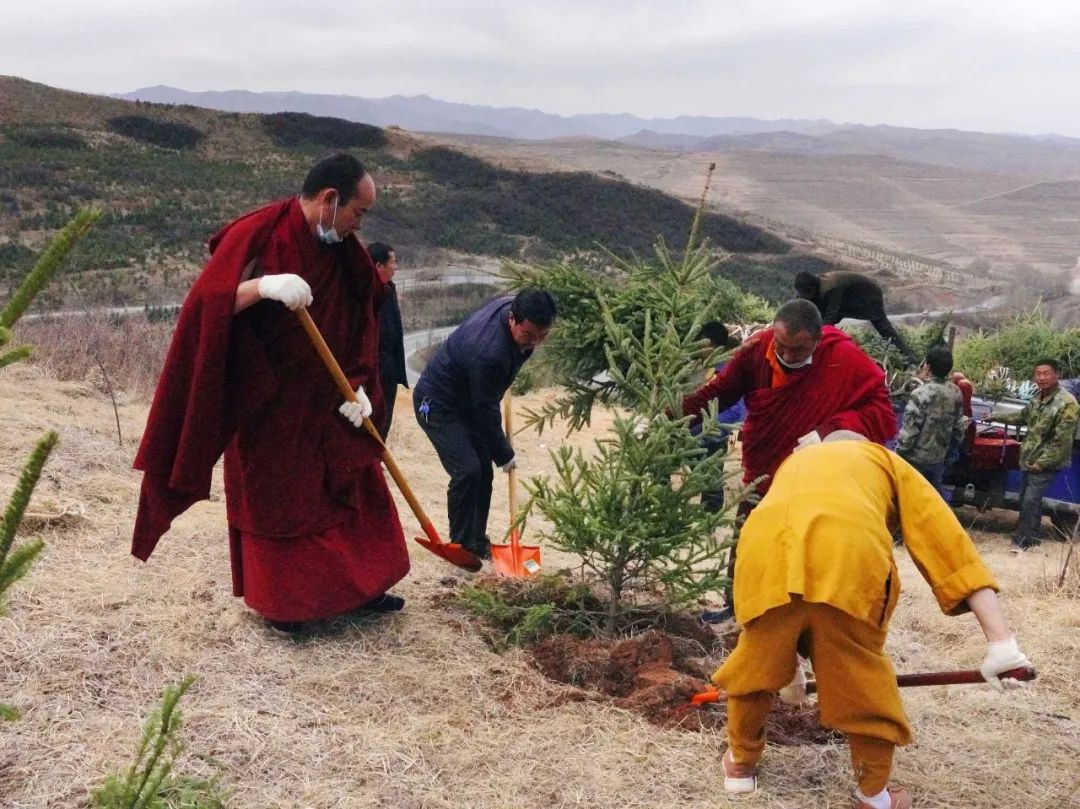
x,y
452,552
516,559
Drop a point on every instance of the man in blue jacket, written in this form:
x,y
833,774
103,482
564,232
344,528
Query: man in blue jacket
x,y
457,403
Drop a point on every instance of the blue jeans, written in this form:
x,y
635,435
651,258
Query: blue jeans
x,y
933,472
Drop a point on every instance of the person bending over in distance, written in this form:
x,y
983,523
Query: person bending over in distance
x,y
840,294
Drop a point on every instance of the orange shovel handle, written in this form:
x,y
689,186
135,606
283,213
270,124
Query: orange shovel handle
x,y
350,395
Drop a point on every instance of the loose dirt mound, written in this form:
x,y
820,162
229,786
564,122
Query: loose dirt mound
x,y
655,674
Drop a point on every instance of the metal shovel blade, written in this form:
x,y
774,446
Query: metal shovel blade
x,y
516,559
452,552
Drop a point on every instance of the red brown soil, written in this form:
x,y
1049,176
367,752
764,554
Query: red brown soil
x,y
656,673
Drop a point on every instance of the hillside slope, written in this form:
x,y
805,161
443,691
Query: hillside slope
x,y
170,176
417,711
1015,227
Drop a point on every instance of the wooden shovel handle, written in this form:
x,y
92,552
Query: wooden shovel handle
x,y
965,677
350,395
508,420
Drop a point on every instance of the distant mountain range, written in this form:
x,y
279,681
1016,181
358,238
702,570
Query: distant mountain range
x,y
425,114
1047,156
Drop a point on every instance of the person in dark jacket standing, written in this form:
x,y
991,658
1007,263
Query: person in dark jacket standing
x,y
457,403
391,333
842,294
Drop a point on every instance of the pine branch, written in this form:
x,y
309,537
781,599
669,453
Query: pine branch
x,y
20,498
150,775
15,563
48,264
18,564
16,355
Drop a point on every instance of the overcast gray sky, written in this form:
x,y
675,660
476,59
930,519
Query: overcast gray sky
x,y
992,65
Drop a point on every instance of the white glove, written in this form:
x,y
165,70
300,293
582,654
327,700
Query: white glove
x,y
357,411
808,440
1002,656
794,693
510,465
291,290
641,426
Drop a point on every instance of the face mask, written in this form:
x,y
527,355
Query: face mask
x,y
794,366
328,235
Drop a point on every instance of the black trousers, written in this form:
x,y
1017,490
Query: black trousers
x,y
390,396
468,462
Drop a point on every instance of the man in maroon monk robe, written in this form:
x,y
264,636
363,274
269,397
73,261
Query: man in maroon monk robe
x,y
800,381
313,530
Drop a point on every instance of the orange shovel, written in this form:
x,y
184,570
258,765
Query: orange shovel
x,y
514,559
452,552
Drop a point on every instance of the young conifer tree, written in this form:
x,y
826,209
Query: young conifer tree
x,y
150,782
15,560
628,337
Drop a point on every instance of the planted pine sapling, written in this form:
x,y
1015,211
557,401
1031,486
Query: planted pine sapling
x,y
628,338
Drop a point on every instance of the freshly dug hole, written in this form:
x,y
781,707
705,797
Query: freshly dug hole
x,y
655,674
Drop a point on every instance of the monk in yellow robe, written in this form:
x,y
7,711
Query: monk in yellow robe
x,y
816,575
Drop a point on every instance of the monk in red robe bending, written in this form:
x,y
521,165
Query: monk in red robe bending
x,y
801,381
313,531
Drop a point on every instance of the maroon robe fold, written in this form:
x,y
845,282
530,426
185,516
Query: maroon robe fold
x,y
313,528
841,390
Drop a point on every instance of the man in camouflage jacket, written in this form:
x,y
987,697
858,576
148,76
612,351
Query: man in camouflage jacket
x,y
1051,419
933,423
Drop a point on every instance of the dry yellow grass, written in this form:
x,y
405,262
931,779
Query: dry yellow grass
x,y
415,710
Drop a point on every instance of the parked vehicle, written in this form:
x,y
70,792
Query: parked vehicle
x,y
988,474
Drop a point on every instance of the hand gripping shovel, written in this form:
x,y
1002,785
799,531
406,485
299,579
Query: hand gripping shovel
x,y
966,677
514,559
452,552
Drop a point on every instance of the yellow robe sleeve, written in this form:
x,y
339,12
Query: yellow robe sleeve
x,y
940,547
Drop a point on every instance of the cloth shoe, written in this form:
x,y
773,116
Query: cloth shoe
x,y
387,602
717,616
899,798
482,549
287,629
739,779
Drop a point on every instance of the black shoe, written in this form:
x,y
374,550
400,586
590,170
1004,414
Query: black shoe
x,y
287,628
387,602
481,550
